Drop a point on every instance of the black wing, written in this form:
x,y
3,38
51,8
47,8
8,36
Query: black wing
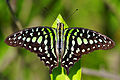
x,y
79,41
40,40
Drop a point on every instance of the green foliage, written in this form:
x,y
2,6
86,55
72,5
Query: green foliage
x,y
99,15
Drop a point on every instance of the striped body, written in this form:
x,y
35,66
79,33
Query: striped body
x,y
60,36
59,45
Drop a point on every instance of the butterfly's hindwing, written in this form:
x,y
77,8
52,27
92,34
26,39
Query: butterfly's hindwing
x,y
79,41
40,40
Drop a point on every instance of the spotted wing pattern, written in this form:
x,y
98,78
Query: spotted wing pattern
x,y
79,41
40,40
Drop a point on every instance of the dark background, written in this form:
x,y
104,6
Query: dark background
x,y
99,15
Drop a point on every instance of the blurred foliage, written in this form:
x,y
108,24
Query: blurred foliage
x,y
99,15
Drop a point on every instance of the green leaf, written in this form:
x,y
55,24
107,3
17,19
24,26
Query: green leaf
x,y
59,73
59,20
62,76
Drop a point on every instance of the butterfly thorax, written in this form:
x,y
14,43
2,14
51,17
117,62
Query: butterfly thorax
x,y
60,36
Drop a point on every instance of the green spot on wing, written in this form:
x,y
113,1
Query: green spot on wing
x,y
44,32
51,40
79,41
55,33
42,29
34,39
71,31
75,33
65,31
68,40
49,30
28,39
85,41
46,36
77,30
91,41
39,39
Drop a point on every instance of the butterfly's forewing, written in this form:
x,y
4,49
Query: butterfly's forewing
x,y
40,40
79,41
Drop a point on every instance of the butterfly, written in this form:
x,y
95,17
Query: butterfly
x,y
64,45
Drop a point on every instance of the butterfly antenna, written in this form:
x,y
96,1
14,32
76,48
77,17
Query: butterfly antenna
x,y
72,14
16,21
